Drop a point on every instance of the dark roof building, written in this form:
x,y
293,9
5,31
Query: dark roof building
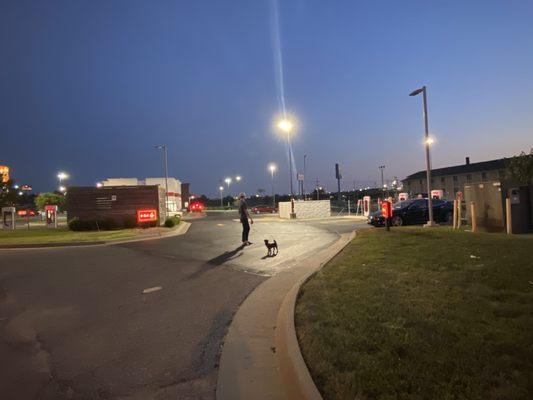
x,y
452,179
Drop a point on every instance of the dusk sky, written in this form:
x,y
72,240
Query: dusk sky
x,y
90,86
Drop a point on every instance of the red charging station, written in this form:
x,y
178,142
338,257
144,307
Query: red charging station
x,y
386,212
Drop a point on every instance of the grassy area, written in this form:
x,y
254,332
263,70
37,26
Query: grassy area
x,y
61,235
422,314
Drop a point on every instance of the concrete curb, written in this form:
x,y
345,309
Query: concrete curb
x,y
182,229
260,347
295,375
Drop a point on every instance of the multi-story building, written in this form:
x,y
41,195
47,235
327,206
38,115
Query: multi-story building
x,y
174,201
453,179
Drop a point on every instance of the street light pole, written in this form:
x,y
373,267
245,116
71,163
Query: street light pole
x,y
221,188
428,159
272,168
290,160
381,168
165,168
303,180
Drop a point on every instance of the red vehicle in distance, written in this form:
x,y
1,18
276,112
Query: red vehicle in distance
x,y
264,209
196,206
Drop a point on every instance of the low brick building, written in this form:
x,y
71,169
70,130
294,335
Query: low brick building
x,y
453,179
122,204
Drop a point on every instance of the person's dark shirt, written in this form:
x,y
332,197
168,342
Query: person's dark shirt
x,y
243,209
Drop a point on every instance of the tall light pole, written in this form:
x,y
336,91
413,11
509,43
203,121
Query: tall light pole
x,y
427,142
305,172
228,182
381,168
165,167
286,126
61,176
221,188
272,168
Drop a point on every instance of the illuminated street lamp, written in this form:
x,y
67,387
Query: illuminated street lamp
x,y
62,189
238,178
99,184
272,168
62,176
428,142
228,181
286,126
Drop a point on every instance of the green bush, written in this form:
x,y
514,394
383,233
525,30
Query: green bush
x,y
108,224
170,222
130,222
77,225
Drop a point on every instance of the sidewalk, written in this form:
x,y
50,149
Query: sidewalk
x,y
260,357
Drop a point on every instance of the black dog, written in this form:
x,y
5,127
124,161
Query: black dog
x,y
271,247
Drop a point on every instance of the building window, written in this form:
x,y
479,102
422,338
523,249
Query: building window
x,y
484,176
469,178
455,178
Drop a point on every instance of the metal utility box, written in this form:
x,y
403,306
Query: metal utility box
x,y
521,208
489,204
119,203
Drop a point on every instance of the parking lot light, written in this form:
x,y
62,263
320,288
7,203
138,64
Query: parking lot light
x,y
416,92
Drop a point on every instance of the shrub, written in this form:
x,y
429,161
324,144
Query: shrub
x,y
76,225
130,222
172,221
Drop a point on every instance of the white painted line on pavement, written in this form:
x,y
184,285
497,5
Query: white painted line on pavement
x,y
152,289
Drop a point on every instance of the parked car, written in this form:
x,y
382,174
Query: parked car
x,y
260,209
196,206
413,212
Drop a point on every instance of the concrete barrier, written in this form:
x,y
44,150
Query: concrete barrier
x,y
306,209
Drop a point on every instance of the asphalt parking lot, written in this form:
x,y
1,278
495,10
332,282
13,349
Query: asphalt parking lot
x,y
75,323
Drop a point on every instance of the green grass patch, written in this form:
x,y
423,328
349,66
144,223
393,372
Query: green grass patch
x,y
61,235
422,314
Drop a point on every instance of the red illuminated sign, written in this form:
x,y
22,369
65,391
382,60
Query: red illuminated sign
x,y
149,215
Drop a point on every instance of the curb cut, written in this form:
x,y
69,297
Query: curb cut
x,y
296,379
182,229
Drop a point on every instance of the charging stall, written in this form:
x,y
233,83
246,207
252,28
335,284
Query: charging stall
x,y
8,218
366,205
51,216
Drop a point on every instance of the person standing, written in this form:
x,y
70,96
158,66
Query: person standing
x,y
245,216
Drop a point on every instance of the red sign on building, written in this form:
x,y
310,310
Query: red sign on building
x,y
149,215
